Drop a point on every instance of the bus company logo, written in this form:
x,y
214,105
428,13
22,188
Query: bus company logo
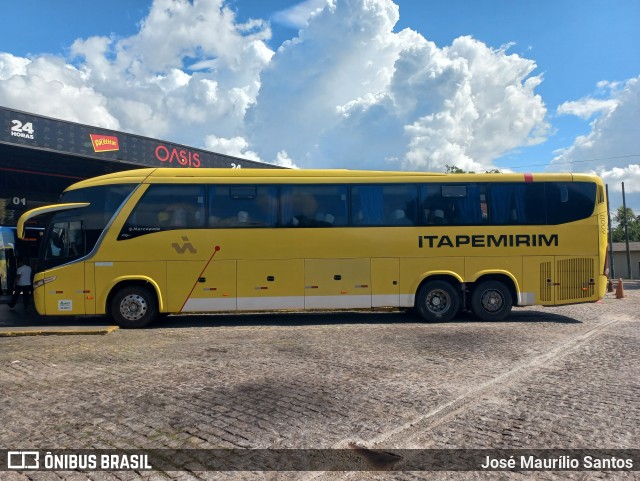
x,y
23,460
504,240
104,143
179,157
187,246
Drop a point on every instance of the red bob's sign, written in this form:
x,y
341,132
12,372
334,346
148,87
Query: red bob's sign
x,y
104,143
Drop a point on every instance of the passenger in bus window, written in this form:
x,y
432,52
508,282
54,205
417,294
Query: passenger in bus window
x,y
243,217
267,209
324,220
179,215
435,217
164,218
399,217
438,217
56,244
304,206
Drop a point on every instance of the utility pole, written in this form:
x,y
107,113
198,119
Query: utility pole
x,y
612,263
626,232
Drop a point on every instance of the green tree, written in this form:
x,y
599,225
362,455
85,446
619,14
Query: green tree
x,y
452,169
622,217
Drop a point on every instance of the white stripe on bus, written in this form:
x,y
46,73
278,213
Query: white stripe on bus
x,y
297,302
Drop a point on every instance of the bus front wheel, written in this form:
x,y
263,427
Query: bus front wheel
x,y
437,301
134,306
491,301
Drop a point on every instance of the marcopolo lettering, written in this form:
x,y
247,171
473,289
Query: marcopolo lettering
x,y
481,240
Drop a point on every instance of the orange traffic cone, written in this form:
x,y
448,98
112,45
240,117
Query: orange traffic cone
x,y
620,290
610,285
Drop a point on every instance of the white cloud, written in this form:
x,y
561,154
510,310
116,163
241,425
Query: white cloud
x,y
298,15
630,175
347,91
368,97
49,86
586,108
11,66
612,147
236,146
190,71
283,160
479,104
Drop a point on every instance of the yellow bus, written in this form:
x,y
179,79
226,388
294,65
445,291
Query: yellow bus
x,y
144,243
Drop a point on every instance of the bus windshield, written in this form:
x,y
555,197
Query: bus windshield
x,y
74,233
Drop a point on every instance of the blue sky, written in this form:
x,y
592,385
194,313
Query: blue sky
x,y
581,102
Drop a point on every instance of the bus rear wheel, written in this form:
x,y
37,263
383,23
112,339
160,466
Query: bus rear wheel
x,y
134,306
491,301
437,301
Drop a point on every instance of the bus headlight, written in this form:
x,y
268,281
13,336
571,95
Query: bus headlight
x,y
42,282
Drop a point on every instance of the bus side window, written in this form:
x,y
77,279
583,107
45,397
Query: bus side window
x,y
242,206
571,201
517,203
436,209
166,207
314,206
463,204
379,205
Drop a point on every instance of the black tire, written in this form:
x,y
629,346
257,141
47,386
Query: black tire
x,y
437,301
134,306
491,301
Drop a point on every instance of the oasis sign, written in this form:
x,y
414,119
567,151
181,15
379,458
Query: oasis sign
x,y
177,156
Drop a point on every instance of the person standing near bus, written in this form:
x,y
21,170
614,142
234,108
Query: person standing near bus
x,y
22,284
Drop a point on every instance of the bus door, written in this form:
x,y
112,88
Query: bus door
x,y
65,295
337,283
539,285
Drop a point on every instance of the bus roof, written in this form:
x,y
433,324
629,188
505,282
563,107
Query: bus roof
x,y
215,175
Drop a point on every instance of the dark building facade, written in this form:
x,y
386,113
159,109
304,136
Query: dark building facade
x,y
40,156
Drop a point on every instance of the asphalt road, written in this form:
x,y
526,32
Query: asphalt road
x,y
566,378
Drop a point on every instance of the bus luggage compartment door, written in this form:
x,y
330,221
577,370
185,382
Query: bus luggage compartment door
x,y
194,290
385,282
337,283
265,284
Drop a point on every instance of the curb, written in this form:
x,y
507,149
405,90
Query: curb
x,y
56,331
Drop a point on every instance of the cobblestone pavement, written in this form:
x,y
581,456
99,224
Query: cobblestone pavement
x,y
566,377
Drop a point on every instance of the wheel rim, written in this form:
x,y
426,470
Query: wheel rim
x,y
438,301
133,307
492,301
